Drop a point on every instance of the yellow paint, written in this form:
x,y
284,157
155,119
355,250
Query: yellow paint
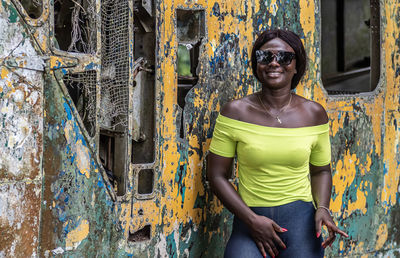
x,y
307,20
341,244
360,203
391,178
357,249
56,61
382,234
75,237
334,127
345,172
169,166
273,7
4,73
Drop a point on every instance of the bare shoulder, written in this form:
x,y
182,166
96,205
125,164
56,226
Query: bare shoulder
x,y
313,111
235,109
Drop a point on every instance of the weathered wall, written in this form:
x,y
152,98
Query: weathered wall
x,y
21,135
55,198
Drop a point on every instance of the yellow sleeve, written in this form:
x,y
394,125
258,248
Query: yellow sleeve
x,y
321,150
223,142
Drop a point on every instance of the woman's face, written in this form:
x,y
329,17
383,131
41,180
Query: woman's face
x,y
275,75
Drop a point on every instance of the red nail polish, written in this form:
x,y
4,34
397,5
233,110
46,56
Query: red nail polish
x,y
265,256
318,234
284,229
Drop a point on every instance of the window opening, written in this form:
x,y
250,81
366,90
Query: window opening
x,y
33,8
75,25
145,181
82,90
111,144
142,234
190,31
350,45
143,143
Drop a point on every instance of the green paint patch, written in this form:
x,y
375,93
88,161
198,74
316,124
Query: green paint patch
x,y
13,14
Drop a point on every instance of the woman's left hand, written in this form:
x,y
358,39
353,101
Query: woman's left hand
x,y
322,217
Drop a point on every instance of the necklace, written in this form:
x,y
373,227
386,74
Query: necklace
x,y
280,110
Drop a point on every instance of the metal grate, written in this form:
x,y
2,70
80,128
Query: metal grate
x,y
115,64
82,89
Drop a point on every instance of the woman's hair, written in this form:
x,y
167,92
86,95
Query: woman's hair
x,y
293,40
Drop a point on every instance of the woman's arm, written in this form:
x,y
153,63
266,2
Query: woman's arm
x,y
263,229
321,187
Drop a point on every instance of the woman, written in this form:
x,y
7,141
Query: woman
x,y
282,145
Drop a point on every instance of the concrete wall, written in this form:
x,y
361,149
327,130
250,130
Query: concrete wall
x,y
57,200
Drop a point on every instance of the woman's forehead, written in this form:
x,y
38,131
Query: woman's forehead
x,y
277,44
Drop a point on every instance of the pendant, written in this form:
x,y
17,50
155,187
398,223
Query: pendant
x,y
277,118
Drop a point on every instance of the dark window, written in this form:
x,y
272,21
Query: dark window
x,y
190,31
33,8
75,25
350,45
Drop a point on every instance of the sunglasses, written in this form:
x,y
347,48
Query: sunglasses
x,y
282,57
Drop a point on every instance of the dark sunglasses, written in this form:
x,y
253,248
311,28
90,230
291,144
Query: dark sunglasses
x,y
282,57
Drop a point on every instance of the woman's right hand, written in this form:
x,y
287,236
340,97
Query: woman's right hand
x,y
264,232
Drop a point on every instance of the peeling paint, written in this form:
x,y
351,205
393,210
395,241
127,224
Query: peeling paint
x,y
75,236
52,182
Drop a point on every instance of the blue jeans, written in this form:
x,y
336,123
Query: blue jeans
x,y
300,239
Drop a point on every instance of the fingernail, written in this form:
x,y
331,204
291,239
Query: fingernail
x,y
265,256
318,234
284,229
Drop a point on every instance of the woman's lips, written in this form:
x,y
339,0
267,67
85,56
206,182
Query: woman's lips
x,y
273,74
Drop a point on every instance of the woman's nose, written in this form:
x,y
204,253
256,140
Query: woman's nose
x,y
274,62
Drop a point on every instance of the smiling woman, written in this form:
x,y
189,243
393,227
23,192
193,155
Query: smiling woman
x,y
280,140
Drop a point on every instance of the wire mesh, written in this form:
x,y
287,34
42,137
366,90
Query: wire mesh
x,y
115,64
82,89
77,18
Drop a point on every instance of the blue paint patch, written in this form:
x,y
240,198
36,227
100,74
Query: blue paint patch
x,y
58,65
68,111
229,44
100,183
62,216
90,66
216,10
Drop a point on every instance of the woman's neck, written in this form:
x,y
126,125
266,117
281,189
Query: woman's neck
x,y
275,99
